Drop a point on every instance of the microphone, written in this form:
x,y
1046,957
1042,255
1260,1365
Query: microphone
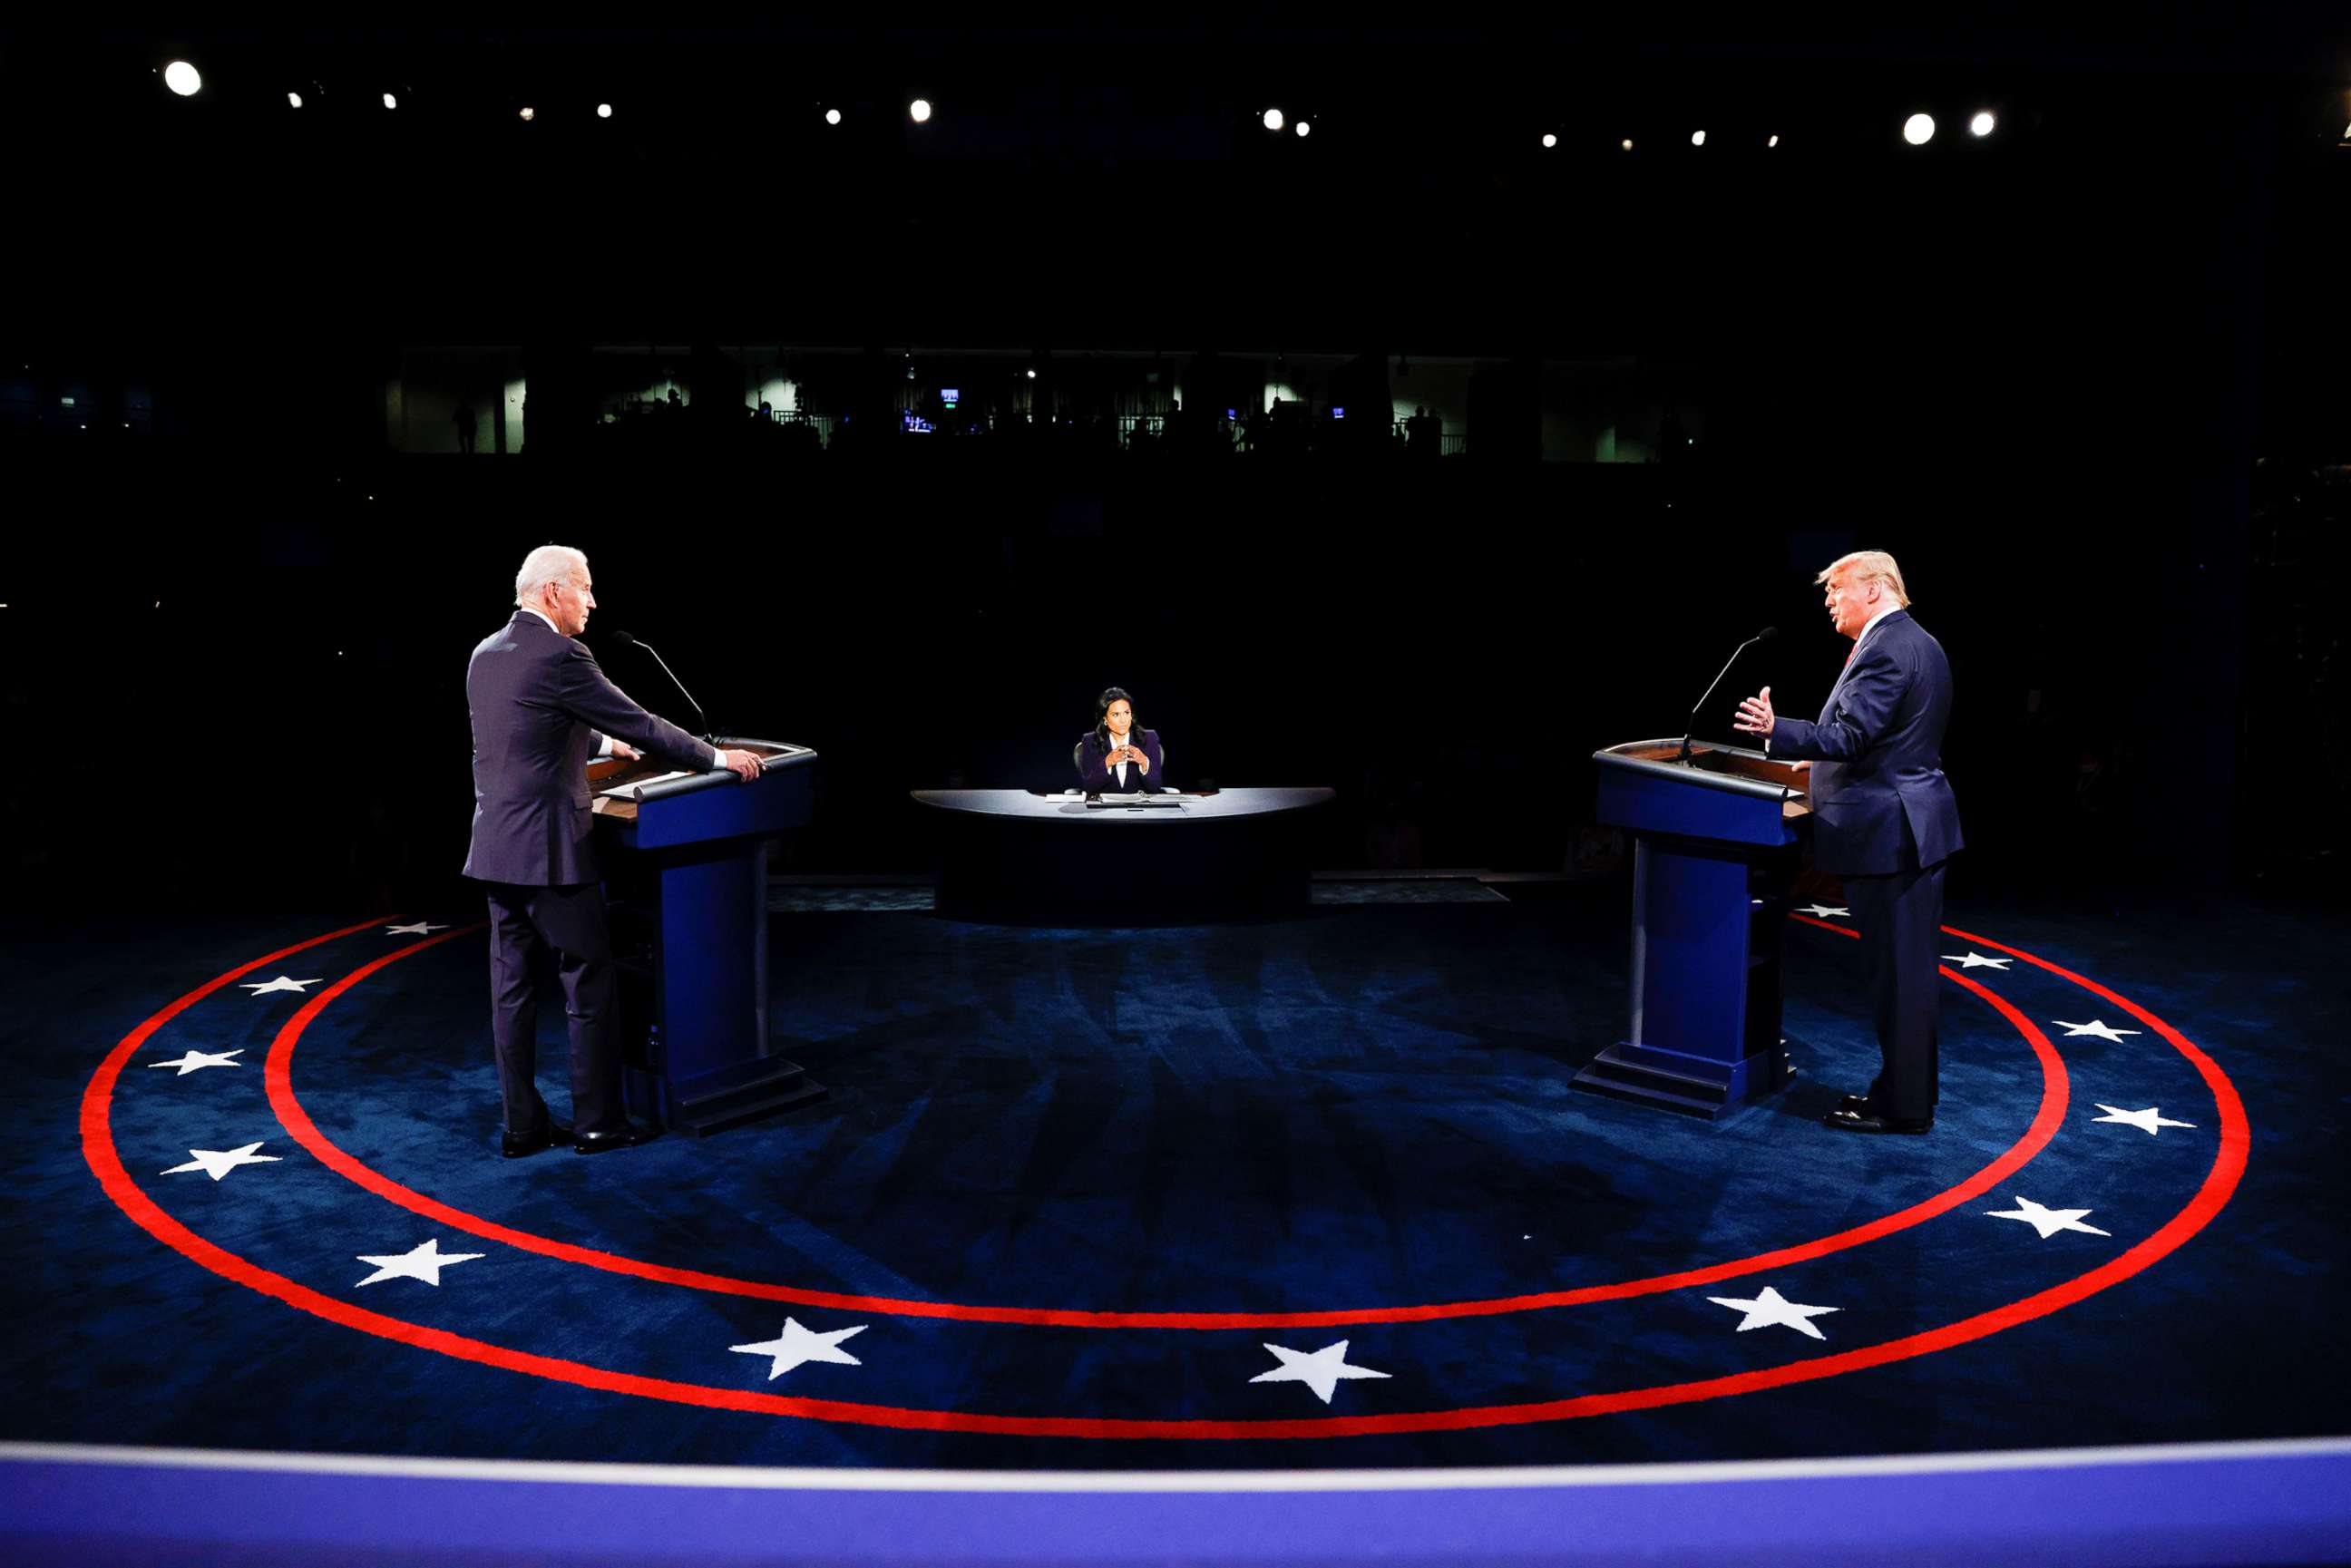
x,y
625,640
1765,635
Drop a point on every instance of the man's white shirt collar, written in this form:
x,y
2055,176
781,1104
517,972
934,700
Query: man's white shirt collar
x,y
1891,606
551,626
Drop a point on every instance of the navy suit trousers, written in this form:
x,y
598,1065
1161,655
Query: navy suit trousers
x,y
525,922
1901,917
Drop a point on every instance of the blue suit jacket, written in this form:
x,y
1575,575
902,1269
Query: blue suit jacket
x,y
1096,778
540,706
1877,754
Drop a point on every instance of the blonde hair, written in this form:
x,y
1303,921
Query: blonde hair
x,y
547,563
1870,566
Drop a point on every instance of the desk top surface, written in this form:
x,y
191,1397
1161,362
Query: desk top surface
x,y
1073,808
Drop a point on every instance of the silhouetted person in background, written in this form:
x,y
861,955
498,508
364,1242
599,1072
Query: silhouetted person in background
x,y
468,425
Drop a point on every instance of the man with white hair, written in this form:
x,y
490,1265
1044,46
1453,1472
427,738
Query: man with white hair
x,y
540,708
1883,819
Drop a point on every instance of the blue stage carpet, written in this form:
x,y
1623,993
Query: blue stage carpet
x,y
1303,1194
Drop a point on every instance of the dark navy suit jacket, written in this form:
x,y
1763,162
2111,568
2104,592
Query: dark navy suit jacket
x,y
1877,755
1095,777
540,706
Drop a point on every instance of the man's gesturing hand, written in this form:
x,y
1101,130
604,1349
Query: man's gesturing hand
x,y
1755,715
746,763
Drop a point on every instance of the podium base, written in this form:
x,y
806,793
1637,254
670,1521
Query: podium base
x,y
714,1101
1687,1085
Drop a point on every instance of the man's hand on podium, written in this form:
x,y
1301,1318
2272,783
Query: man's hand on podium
x,y
625,752
745,764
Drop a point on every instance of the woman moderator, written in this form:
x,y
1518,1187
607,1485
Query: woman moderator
x,y
1115,756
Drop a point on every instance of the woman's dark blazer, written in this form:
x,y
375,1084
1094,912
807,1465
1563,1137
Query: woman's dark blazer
x,y
1096,778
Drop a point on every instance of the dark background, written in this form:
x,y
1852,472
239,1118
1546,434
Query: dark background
x,y
2086,380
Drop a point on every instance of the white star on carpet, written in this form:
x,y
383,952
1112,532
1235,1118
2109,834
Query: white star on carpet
x,y
2146,1121
1972,960
2048,1221
263,988
424,1263
1825,909
218,1163
418,929
1772,1310
796,1347
197,1061
1322,1371
2095,1026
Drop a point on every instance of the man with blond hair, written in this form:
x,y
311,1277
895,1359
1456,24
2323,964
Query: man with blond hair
x,y
1883,819
540,708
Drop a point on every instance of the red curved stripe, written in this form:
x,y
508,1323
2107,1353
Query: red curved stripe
x,y
2220,1182
279,1078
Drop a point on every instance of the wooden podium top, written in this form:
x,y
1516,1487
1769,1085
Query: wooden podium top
x,y
1728,761
610,773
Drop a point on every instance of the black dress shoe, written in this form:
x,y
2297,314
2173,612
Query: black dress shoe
x,y
1871,1122
515,1145
1856,1103
627,1135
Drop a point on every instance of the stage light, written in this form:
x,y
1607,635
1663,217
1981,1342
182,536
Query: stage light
x,y
919,111
1303,128
527,113
1273,120
390,101
1697,137
1626,145
1032,375
1919,130
1982,125
1774,141
293,100
833,117
603,111
1549,140
182,78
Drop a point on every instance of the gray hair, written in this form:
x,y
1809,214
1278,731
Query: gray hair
x,y
547,563
1870,566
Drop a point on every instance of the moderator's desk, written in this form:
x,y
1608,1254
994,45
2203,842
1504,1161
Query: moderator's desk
x,y
1012,855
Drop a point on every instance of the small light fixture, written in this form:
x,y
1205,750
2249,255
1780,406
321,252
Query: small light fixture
x,y
919,111
182,78
527,113
390,101
1697,137
1273,120
1550,140
603,111
293,100
833,117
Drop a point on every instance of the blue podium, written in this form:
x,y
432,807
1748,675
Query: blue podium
x,y
1713,850
685,873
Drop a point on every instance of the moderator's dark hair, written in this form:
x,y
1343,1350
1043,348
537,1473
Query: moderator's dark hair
x,y
1102,712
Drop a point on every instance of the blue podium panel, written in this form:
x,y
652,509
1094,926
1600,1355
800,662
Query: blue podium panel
x,y
687,874
1712,835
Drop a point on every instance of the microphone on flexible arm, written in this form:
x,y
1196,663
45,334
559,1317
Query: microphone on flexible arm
x,y
625,640
1765,635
